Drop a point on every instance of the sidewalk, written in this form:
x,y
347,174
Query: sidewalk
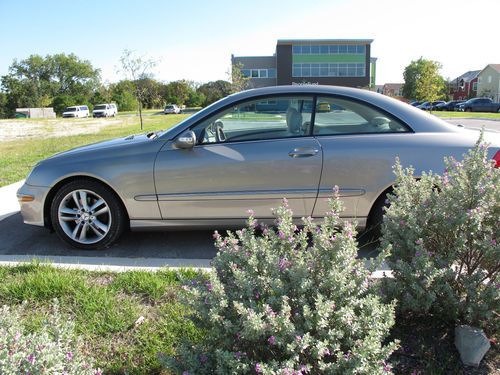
x,y
8,200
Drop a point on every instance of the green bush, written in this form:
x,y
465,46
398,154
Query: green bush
x,y
287,301
51,349
444,232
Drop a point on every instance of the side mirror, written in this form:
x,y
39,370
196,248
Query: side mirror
x,y
186,140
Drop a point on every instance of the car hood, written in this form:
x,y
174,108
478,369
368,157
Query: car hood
x,y
99,146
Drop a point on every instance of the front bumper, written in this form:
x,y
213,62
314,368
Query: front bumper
x,y
32,199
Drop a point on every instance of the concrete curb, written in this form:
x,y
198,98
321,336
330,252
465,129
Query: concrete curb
x,y
114,264
8,200
108,263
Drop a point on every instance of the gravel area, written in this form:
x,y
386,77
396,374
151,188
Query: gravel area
x,y
18,129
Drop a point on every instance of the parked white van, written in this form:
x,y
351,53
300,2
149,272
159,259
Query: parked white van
x,y
76,111
105,110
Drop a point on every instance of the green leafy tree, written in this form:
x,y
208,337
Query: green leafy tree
x,y
215,90
178,92
38,81
3,105
122,93
423,81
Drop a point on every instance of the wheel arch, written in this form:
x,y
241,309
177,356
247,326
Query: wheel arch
x,y
53,191
375,204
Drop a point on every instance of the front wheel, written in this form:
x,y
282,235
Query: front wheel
x,y
86,214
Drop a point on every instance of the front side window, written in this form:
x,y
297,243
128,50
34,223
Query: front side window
x,y
266,118
343,116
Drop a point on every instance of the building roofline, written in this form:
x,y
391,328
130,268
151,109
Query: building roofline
x,y
291,41
233,56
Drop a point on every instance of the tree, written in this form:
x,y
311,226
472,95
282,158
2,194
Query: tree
x,y
178,92
239,81
423,81
215,90
122,93
137,68
38,81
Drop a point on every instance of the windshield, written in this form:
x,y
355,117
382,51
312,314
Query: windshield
x,y
70,109
100,107
169,107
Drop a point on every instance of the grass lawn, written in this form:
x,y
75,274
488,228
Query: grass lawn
x,y
105,307
479,115
17,157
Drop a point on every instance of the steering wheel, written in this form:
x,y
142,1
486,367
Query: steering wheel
x,y
219,132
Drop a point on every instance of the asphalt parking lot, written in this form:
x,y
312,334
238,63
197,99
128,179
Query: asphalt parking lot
x,y
20,242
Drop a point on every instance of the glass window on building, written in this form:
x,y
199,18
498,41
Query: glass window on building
x,y
297,70
351,49
262,73
351,70
342,70
314,50
334,49
271,73
324,50
360,70
306,70
333,70
245,72
297,50
255,73
314,70
306,50
361,49
343,49
323,70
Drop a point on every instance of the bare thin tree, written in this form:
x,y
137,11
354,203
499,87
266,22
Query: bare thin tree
x,y
136,68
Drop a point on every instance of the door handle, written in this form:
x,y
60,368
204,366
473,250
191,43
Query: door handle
x,y
303,152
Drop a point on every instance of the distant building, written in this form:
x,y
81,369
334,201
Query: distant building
x,y
35,112
342,62
464,86
488,83
393,89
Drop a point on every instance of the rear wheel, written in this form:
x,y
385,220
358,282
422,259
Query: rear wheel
x,y
86,214
373,229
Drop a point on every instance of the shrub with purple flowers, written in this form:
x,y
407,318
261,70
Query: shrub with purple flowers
x,y
52,349
444,232
285,300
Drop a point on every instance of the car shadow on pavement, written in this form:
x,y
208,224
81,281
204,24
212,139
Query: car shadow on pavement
x,y
17,238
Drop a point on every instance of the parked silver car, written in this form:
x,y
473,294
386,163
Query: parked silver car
x,y
248,150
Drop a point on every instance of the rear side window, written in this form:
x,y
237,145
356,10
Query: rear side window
x,y
344,116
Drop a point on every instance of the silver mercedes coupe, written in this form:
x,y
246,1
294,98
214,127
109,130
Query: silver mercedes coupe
x,y
246,151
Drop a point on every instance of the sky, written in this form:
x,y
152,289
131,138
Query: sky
x,y
194,40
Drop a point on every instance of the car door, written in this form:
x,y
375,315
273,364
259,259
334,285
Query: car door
x,y
359,144
248,156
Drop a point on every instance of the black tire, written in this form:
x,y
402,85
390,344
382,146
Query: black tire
x,y
116,224
373,230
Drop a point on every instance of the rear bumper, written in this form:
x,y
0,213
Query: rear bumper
x,y
32,200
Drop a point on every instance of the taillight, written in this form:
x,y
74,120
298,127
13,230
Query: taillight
x,y
497,159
